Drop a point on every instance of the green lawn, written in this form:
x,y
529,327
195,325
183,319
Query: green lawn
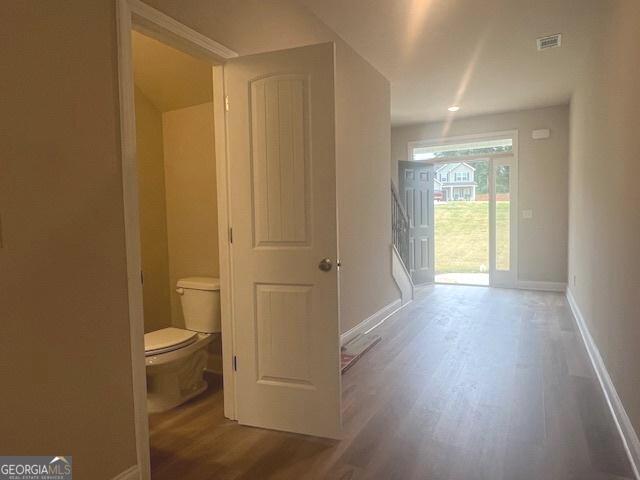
x,y
462,237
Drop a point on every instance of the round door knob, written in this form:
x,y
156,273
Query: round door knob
x,y
325,264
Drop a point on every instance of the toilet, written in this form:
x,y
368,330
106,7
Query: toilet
x,y
176,358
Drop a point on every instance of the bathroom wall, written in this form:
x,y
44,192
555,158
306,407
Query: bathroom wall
x,y
190,183
177,179
153,215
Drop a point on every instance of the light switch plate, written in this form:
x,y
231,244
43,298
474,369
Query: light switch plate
x,y
527,214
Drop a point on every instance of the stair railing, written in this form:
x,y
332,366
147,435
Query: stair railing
x,y
400,227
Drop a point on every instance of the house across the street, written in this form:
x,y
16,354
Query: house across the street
x,y
455,181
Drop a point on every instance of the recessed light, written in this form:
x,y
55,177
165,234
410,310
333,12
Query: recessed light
x,y
453,108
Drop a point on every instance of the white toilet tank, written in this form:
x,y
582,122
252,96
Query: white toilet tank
x,y
200,298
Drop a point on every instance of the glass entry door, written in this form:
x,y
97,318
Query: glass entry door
x,y
467,172
461,213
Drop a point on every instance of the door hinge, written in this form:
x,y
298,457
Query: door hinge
x,y
235,363
230,234
226,103
141,277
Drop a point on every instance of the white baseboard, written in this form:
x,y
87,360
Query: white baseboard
x,y
542,286
131,473
625,428
373,321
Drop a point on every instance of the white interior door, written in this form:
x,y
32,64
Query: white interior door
x,y
281,150
503,222
416,190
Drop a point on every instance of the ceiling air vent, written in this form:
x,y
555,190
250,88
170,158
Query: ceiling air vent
x,y
551,41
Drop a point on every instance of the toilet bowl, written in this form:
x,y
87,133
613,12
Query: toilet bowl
x,y
175,358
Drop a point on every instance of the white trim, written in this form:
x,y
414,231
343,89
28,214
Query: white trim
x,y
500,278
154,23
373,321
454,139
542,286
464,159
623,423
458,284
403,280
224,246
131,473
132,236
130,14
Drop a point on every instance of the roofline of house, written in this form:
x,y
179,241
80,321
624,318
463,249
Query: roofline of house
x,y
459,163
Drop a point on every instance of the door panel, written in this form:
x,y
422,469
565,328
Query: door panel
x,y
416,187
281,183
283,316
281,153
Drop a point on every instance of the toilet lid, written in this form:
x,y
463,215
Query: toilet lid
x,y
167,339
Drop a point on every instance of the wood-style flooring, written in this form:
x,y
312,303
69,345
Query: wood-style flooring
x,y
467,383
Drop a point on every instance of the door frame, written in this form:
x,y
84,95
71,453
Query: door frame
x,y
136,15
503,278
514,224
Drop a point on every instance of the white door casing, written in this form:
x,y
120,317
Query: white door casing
x,y
416,190
281,147
503,268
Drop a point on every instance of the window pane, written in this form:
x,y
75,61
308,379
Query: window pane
x,y
503,217
483,147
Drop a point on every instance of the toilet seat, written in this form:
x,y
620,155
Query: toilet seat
x,y
167,340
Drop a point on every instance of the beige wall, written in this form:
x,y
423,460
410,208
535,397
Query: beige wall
x,y
62,217
153,215
64,349
364,198
604,232
192,215
542,185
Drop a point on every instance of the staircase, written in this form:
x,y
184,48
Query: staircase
x,y
400,246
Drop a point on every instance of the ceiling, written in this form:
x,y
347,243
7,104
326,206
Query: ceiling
x,y
479,54
169,78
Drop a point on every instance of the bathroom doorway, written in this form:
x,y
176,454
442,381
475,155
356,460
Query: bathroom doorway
x,y
282,360
179,235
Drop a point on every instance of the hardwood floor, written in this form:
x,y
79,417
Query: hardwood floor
x,y
467,383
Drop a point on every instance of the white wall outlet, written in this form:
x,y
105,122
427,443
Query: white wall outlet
x,y
528,214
